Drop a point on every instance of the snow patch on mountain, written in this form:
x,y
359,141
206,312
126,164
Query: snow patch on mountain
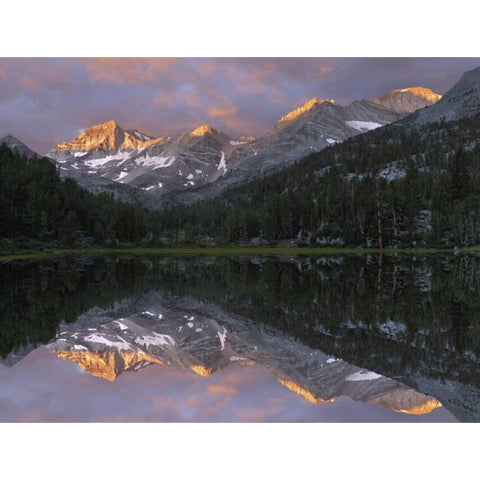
x,y
142,136
222,337
155,339
156,162
362,126
122,175
332,360
362,376
222,165
98,162
121,325
121,345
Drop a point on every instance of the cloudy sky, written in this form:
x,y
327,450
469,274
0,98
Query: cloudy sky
x,y
44,101
43,388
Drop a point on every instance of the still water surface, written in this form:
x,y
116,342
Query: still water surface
x,y
297,339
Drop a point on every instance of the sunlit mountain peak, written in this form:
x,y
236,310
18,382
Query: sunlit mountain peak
x,y
305,108
202,130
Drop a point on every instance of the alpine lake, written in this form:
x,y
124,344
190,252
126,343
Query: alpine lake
x,y
250,337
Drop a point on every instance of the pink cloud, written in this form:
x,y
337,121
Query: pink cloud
x,y
163,402
243,126
324,69
162,99
222,389
207,68
28,82
46,100
118,71
212,400
193,99
222,112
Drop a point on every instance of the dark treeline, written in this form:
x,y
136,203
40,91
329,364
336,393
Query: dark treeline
x,y
396,186
36,297
35,204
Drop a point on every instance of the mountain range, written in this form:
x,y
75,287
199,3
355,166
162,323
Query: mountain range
x,y
202,163
152,165
184,169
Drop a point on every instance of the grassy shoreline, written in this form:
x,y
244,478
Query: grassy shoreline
x,y
234,251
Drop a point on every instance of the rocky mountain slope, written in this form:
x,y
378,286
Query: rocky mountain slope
x,y
98,184
156,165
310,128
408,100
462,100
317,124
17,146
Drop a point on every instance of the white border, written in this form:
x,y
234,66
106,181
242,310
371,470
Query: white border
x,y
247,28
243,451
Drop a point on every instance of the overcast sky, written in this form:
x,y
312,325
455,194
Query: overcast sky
x,y
44,101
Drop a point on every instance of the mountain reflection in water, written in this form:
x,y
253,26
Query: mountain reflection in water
x,y
390,334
